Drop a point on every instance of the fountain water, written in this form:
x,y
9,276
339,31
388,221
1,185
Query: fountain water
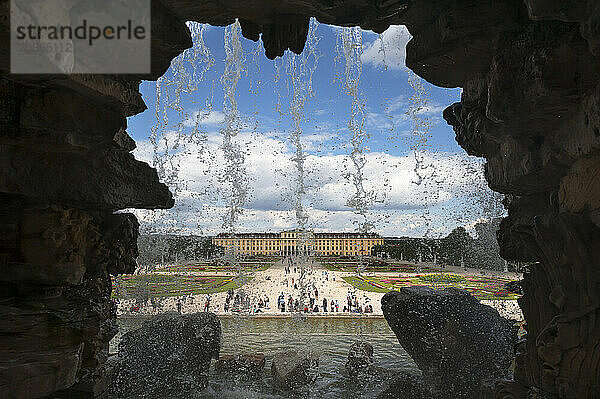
x,y
169,136
296,72
181,80
350,46
300,70
233,180
421,126
351,40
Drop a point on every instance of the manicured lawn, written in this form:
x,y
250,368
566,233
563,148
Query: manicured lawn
x,y
213,268
163,285
480,287
363,285
390,267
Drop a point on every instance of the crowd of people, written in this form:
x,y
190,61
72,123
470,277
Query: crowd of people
x,y
304,296
242,301
299,289
325,306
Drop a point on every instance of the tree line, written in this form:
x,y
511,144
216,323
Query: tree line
x,y
157,249
458,248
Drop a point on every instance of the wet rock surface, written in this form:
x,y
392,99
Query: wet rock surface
x,y
246,365
294,368
360,357
406,386
457,342
168,356
360,365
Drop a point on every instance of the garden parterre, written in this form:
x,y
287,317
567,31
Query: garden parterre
x,y
164,285
207,267
481,287
340,266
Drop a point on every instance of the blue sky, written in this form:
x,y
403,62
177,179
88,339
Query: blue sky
x,y
453,193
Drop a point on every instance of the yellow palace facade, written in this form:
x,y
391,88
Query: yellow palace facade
x,y
294,242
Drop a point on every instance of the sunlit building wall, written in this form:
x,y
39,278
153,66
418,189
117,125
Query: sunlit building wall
x,y
295,242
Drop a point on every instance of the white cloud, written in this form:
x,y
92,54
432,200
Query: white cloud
x,y
395,115
205,118
447,196
392,54
435,109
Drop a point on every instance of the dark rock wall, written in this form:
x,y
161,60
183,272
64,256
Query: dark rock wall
x,y
57,315
532,112
529,70
65,167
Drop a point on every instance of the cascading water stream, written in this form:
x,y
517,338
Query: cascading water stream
x,y
168,139
233,177
425,172
421,126
350,46
233,180
179,83
300,70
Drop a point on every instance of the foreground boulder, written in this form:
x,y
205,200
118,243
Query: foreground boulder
x,y
248,365
292,368
168,356
457,342
360,357
406,386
